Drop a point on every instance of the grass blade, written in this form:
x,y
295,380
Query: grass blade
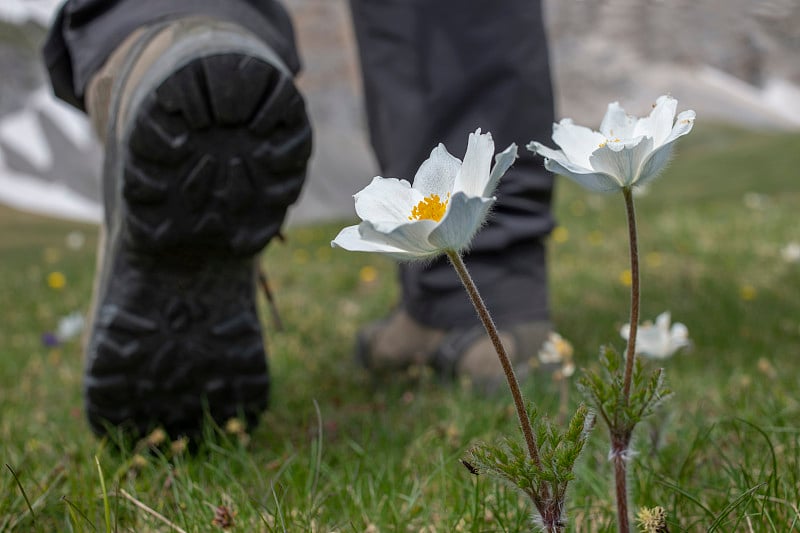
x,y
731,506
22,490
686,495
74,509
106,505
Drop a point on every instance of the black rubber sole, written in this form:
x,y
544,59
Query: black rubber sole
x,y
214,156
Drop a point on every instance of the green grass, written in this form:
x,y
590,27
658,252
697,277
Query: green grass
x,y
338,452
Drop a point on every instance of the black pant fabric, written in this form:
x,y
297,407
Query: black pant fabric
x,y
433,71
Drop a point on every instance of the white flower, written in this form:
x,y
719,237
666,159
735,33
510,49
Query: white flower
x,y
658,340
626,151
791,252
69,326
755,201
75,240
555,349
441,212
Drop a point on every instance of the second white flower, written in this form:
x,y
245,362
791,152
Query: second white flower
x,y
627,151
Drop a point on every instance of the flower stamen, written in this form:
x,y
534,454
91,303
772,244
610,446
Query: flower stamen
x,y
430,208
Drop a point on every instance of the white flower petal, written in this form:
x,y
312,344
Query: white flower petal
x,y
577,142
663,320
683,125
617,145
594,181
623,165
559,157
474,174
549,153
437,174
652,342
464,217
502,162
617,124
679,335
653,164
350,239
659,123
386,200
658,159
556,161
412,237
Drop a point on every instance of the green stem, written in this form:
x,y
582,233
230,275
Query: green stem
x,y
634,252
491,329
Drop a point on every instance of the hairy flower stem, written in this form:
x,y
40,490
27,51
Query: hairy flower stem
x,y
491,329
634,252
620,446
619,453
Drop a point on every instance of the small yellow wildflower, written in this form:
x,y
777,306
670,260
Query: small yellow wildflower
x,y
560,235
368,274
56,280
626,278
747,293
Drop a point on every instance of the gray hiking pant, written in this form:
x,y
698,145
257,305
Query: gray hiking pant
x,y
433,71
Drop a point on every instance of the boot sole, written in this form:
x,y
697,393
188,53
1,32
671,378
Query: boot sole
x,y
206,168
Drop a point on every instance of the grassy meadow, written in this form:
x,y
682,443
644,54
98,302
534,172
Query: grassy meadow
x,y
340,452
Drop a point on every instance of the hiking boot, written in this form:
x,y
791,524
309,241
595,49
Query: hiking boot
x,y
206,145
399,342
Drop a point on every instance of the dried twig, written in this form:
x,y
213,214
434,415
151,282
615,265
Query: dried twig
x,y
150,511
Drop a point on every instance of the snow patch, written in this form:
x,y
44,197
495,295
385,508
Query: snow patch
x,y
22,131
50,199
22,11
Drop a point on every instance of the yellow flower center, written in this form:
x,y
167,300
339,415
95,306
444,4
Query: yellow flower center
x,y
430,208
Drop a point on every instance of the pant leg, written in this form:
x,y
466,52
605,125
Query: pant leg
x,y
433,71
85,32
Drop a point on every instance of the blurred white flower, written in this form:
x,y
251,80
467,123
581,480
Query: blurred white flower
x,y
755,201
791,252
658,340
555,349
75,240
626,151
558,350
441,212
69,326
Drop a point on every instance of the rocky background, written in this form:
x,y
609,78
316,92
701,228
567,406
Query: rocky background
x,y
732,61
745,51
